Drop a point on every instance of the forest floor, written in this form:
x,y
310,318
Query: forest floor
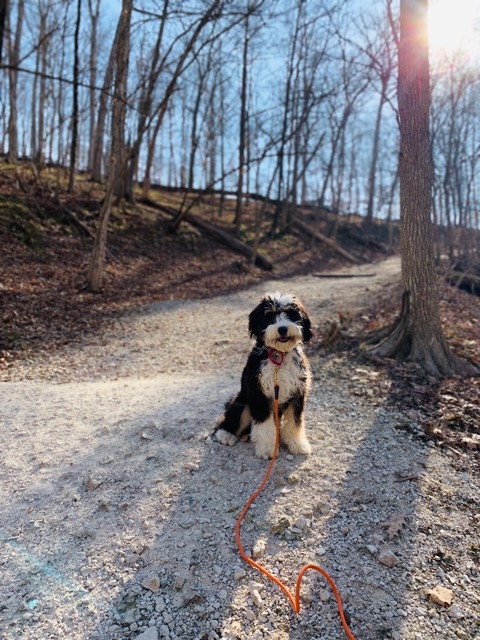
x,y
118,508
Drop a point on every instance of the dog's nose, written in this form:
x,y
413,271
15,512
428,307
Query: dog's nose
x,y
282,331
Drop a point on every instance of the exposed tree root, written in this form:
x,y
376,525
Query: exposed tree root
x,y
403,342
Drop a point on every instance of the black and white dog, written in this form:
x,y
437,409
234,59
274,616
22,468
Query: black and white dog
x,y
279,324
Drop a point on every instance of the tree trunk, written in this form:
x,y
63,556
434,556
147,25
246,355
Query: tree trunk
x,y
97,151
3,20
94,13
375,152
76,64
242,131
97,260
417,336
14,55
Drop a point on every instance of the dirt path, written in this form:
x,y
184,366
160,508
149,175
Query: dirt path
x,y
118,510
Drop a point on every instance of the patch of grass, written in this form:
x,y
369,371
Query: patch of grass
x,y
17,220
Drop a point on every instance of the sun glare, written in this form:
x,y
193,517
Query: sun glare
x,y
454,28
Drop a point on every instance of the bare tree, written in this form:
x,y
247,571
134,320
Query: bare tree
x,y
242,140
94,15
383,63
121,58
417,335
14,56
97,144
75,88
3,20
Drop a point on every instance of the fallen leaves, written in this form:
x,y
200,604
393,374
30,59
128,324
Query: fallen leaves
x,y
394,525
440,595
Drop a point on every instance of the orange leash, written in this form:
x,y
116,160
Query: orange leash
x,y
294,599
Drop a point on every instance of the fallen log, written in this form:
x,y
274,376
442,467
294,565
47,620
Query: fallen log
x,y
465,281
324,240
85,228
219,234
344,275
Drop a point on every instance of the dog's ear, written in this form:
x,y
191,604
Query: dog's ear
x,y
255,321
306,324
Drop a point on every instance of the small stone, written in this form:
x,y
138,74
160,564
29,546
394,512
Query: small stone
x,y
179,583
322,507
137,547
281,525
250,616
152,583
87,532
325,595
371,548
259,548
455,613
388,558
320,551
164,632
150,634
463,635
178,601
301,523
255,586
132,558
238,574
257,600
159,605
93,483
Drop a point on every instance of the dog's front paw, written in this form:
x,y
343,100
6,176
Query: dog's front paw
x,y
300,447
264,453
226,438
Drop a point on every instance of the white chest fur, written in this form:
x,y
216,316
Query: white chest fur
x,y
291,376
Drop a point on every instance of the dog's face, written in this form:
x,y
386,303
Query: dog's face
x,y
280,321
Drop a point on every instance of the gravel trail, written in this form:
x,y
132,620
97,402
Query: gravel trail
x,y
117,509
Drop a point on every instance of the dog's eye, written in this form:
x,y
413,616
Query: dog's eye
x,y
294,315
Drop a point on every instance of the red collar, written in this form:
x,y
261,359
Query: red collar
x,y
275,356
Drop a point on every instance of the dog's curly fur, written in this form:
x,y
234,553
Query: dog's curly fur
x,y
279,324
